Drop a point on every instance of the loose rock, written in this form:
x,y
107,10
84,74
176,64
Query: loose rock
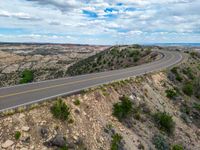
x,y
7,144
25,128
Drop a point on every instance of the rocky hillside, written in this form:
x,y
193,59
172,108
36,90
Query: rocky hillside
x,y
186,80
157,111
113,58
44,61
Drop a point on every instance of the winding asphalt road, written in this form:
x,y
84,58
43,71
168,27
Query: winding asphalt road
x,y
20,95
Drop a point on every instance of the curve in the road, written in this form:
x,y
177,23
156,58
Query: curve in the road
x,y
20,95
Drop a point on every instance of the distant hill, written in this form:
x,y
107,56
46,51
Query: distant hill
x,y
113,58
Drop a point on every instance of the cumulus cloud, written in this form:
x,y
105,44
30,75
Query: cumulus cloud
x,y
106,21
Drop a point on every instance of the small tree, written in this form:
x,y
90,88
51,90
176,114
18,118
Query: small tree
x,y
60,110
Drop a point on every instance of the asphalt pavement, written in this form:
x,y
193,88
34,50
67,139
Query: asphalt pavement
x,y
26,94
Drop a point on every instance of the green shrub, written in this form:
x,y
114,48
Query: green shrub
x,y
177,147
134,53
171,93
77,102
27,76
60,110
188,89
160,142
116,141
175,71
123,108
136,58
17,135
197,106
164,122
179,78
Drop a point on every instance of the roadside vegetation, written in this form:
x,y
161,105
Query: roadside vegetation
x,y
26,76
60,110
113,58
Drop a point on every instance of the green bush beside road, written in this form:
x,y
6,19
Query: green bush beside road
x,y
27,76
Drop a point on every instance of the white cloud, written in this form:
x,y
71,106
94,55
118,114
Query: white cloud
x,y
19,15
134,20
63,5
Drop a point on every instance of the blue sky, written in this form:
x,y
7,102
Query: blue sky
x,y
100,21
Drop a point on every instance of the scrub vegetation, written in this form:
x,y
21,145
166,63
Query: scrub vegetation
x,y
113,58
60,110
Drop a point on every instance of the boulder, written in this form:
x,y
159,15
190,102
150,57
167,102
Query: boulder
x,y
7,144
43,132
26,139
58,141
25,128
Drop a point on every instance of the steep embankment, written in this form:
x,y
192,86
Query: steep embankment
x,y
113,58
186,91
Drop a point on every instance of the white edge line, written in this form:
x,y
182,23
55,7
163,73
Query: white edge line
x,y
78,90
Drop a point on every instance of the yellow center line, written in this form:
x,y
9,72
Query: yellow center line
x,y
70,83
